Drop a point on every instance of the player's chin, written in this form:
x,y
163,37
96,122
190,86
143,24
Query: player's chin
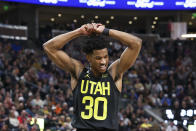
x,y
102,70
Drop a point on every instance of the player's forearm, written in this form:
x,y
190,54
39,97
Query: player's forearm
x,y
60,41
127,39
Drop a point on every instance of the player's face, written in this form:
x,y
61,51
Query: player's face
x,y
99,60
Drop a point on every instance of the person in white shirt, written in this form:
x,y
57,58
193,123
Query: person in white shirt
x,y
13,121
171,127
37,101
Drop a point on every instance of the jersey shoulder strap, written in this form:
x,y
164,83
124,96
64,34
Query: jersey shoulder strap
x,y
82,75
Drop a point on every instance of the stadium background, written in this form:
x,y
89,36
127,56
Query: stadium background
x,y
158,91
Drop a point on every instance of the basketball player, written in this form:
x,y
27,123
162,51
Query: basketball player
x,y
96,90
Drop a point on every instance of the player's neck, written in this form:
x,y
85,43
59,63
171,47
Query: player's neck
x,y
95,73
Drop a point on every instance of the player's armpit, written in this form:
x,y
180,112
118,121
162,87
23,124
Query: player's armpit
x,y
113,70
117,77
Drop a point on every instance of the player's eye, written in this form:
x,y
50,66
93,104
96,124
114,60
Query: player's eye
x,y
98,58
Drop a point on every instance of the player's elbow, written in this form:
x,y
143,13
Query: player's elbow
x,y
48,47
45,47
139,42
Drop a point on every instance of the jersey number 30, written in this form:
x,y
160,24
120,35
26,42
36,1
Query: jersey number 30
x,y
94,103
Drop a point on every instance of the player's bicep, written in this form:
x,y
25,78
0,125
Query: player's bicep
x,y
127,59
62,60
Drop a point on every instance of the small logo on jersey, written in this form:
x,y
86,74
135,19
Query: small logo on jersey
x,y
104,75
87,76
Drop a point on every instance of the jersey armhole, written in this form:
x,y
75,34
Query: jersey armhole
x,y
80,77
113,82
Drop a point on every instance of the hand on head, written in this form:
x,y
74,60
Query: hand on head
x,y
88,29
98,28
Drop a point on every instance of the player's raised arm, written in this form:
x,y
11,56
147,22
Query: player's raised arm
x,y
129,55
62,59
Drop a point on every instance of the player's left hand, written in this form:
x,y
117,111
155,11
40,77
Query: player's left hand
x,y
98,28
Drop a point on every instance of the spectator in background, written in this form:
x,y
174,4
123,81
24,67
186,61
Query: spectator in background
x,y
134,121
171,127
125,123
177,110
166,101
34,126
62,123
155,100
68,125
23,120
37,102
58,109
156,87
3,117
145,126
139,87
4,127
13,121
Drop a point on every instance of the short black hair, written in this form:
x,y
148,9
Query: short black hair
x,y
94,42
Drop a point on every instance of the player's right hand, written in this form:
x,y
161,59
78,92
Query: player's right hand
x,y
86,29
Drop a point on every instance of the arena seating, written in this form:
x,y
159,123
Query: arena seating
x,y
31,86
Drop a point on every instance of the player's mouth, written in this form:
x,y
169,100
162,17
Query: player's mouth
x,y
103,67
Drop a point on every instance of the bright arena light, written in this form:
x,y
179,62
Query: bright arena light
x,y
59,14
190,113
154,22
188,35
191,127
175,122
130,22
185,122
82,16
112,17
183,113
190,23
75,21
52,19
169,114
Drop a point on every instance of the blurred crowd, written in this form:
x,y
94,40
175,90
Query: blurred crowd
x,y
31,86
